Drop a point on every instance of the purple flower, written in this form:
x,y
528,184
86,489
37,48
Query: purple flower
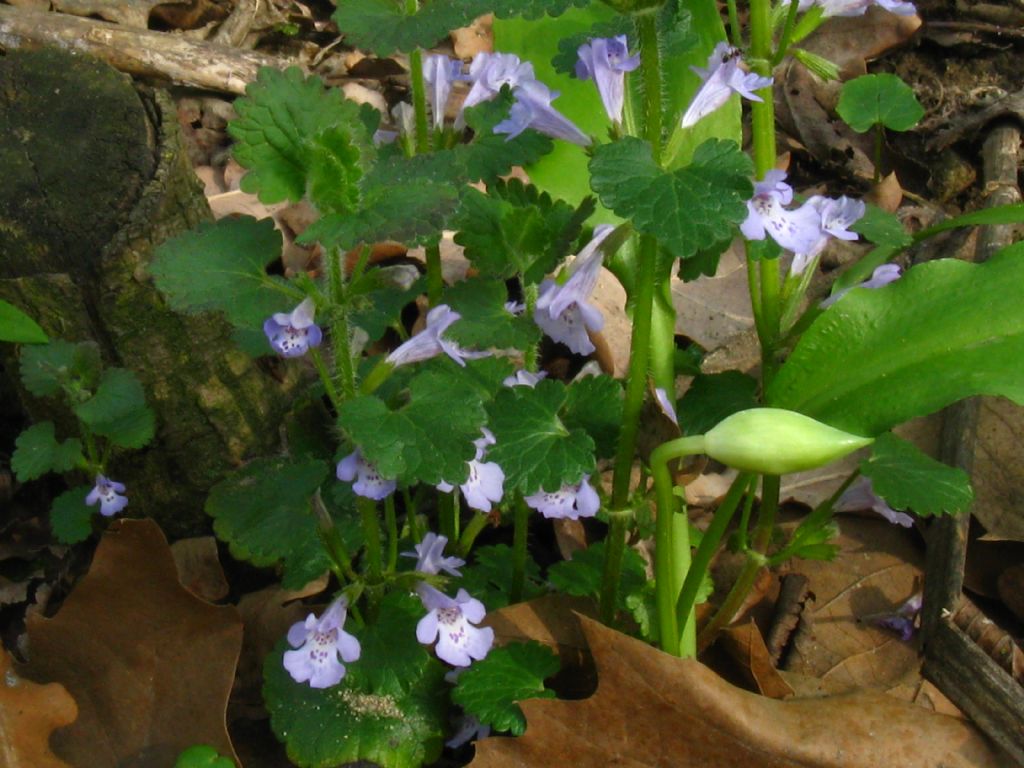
x,y
486,482
861,495
532,109
666,404
108,493
523,378
903,620
292,334
798,230
318,644
858,7
439,72
430,557
368,482
562,311
835,217
488,72
722,78
451,623
569,501
607,60
430,342
882,275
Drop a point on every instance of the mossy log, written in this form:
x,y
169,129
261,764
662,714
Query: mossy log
x,y
95,176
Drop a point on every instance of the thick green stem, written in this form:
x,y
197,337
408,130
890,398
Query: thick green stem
x,y
435,280
708,547
787,34
671,554
472,530
520,529
380,373
340,332
756,560
636,381
879,140
615,546
391,523
419,93
650,73
735,35
371,532
325,377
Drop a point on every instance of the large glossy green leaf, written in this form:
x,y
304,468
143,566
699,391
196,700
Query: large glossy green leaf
x,y
18,327
945,331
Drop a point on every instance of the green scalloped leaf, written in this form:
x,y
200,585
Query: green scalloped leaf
x,y
582,575
595,404
390,709
490,688
263,512
18,327
944,331
909,479
382,26
687,210
515,228
535,448
221,266
411,214
37,452
47,368
485,322
71,517
118,410
377,302
429,438
296,138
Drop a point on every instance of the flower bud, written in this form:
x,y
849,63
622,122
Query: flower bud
x,y
773,441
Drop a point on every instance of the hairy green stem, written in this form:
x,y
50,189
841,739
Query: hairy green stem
x,y
391,523
337,553
618,527
435,280
325,377
340,331
419,93
530,295
520,528
446,512
472,530
672,546
371,533
708,547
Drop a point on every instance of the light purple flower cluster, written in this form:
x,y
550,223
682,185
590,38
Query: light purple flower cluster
x,y
606,60
861,495
430,342
562,311
858,7
722,78
569,502
368,482
108,493
291,334
532,108
321,645
805,230
439,72
451,622
486,482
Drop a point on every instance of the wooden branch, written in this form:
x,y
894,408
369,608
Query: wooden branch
x,y
978,685
161,55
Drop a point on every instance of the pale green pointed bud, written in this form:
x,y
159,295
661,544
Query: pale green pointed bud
x,y
773,441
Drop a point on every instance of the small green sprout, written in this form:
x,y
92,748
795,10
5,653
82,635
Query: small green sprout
x,y
879,101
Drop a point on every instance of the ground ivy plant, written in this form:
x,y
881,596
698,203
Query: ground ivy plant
x,y
411,443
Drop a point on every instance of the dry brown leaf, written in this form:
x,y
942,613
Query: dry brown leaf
x,y
879,566
28,715
887,194
199,568
478,37
651,709
998,467
746,646
713,310
150,665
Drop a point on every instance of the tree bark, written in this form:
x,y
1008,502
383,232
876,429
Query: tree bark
x,y
80,270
